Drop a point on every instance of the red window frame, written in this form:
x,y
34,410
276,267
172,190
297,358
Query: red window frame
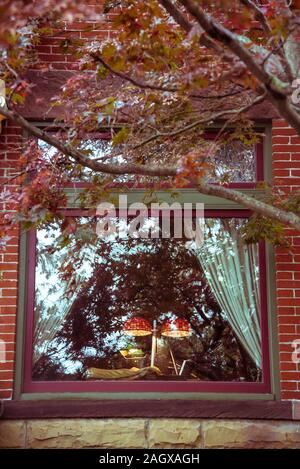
x,y
97,386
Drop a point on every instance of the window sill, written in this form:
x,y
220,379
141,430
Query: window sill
x,y
212,409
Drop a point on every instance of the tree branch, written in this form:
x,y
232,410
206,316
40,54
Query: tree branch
x,y
258,14
278,96
81,158
146,85
210,189
257,206
182,21
176,14
140,84
216,116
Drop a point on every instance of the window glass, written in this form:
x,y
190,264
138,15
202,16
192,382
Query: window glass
x,y
235,163
148,309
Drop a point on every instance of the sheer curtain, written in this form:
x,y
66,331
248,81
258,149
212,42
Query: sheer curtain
x,y
232,271
52,304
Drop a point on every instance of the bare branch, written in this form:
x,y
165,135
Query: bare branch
x,y
279,96
140,84
81,158
251,203
182,21
258,14
176,14
146,85
211,189
205,120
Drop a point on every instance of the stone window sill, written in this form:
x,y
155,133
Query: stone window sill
x,y
206,409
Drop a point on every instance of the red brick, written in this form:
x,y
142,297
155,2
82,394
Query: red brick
x,y
7,375
7,310
290,375
285,293
281,157
286,284
288,338
281,173
8,301
283,131
6,385
278,123
284,257
46,49
7,366
288,267
5,394
288,366
283,148
52,57
295,156
286,310
7,328
291,319
7,292
281,140
295,140
9,347
289,386
7,319
11,258
288,301
290,394
283,329
285,356
284,275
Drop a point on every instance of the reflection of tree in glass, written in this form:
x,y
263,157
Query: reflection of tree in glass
x,y
152,279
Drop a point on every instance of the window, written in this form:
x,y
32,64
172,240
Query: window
x,y
150,314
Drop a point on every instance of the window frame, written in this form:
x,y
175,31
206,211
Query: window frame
x,y
32,386
267,389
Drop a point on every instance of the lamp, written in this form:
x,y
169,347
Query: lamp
x,y
177,327
137,326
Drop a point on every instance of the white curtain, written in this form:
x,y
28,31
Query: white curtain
x,y
52,305
232,271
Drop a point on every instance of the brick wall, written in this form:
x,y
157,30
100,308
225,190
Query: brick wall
x,y
286,173
9,141
52,49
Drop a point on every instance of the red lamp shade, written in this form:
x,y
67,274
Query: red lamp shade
x,y
137,326
177,327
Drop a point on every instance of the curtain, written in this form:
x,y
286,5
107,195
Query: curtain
x,y
52,306
232,271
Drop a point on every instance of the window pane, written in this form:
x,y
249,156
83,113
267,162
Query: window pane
x,y
193,313
235,162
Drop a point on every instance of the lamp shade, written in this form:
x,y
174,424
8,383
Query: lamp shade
x,y
177,327
137,326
